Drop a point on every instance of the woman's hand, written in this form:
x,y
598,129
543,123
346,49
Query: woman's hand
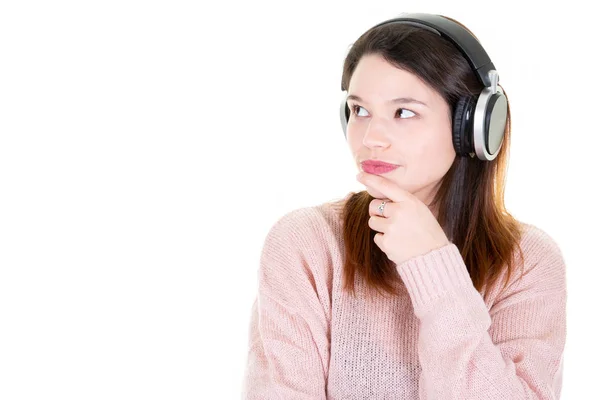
x,y
408,228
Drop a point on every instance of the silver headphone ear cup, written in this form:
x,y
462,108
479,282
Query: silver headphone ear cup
x,y
489,123
495,122
344,112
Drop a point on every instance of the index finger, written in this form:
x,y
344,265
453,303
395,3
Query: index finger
x,y
389,188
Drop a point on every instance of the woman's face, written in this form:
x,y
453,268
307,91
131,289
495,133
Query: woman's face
x,y
417,137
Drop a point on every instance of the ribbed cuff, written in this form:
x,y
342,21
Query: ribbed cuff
x,y
431,275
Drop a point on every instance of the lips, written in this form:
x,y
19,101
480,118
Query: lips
x,y
377,167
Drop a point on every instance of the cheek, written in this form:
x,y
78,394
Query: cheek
x,y
439,142
434,156
354,143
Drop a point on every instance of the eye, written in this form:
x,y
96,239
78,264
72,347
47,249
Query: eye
x,y
404,109
355,110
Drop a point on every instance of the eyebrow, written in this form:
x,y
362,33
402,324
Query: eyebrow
x,y
397,100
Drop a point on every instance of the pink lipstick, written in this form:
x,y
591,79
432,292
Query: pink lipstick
x,y
377,167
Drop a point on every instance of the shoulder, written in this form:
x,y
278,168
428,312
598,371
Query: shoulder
x,y
539,244
540,271
536,237
307,232
307,224
543,259
301,225
300,254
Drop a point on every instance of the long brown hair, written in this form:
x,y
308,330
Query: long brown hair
x,y
470,197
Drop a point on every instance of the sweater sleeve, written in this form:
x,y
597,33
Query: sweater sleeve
x,y
288,356
514,350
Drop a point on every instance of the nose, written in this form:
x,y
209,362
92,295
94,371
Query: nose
x,y
376,135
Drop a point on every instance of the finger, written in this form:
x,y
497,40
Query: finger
x,y
378,224
389,188
378,239
376,203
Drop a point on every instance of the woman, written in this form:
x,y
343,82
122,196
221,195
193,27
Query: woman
x,y
409,289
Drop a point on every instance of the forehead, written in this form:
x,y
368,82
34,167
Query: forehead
x,y
374,78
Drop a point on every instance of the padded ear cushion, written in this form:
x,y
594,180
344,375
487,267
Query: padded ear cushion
x,y
462,125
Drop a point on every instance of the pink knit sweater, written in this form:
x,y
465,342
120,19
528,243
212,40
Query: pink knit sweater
x,y
439,339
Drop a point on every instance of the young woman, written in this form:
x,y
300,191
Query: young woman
x,y
422,286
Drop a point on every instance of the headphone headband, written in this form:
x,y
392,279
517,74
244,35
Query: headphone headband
x,y
470,47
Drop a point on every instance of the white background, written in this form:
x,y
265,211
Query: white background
x,y
147,147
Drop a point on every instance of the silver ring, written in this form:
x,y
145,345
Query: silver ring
x,y
380,208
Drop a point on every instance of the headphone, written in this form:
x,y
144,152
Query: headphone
x,y
478,121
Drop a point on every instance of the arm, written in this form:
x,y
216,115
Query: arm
x,y
288,354
514,350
